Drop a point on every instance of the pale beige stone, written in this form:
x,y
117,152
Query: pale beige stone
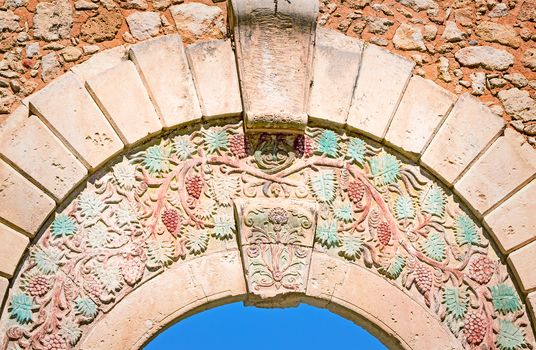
x,y
513,223
325,275
523,263
12,247
213,67
531,301
468,129
23,204
4,286
336,62
34,149
67,108
507,164
164,69
421,110
382,79
274,47
120,94
100,62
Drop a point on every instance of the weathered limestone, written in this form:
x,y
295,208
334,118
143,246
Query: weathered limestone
x,y
531,301
163,66
274,47
468,129
507,164
12,247
524,265
4,285
321,283
421,110
382,79
34,149
215,77
16,193
121,96
336,62
100,62
76,120
513,223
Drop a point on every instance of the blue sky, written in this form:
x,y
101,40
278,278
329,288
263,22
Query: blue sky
x,y
236,327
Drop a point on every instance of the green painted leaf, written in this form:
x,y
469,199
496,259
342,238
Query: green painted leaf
x,y
356,151
385,168
352,247
47,260
328,144
433,201
404,208
504,298
86,307
344,212
156,159
323,185
510,337
63,226
466,232
216,139
21,308
434,247
224,226
183,147
326,234
456,302
159,253
395,267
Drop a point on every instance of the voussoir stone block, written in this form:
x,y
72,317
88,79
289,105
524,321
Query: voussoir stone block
x,y
67,108
23,204
27,142
4,285
523,262
513,223
274,47
12,247
213,67
100,62
120,94
421,110
531,301
336,62
383,76
468,129
507,164
164,69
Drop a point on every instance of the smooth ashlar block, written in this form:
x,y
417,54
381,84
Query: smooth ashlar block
x,y
213,67
523,264
163,67
513,223
121,96
27,142
531,301
23,204
507,164
274,47
336,62
12,247
67,108
100,62
4,285
468,129
421,110
382,79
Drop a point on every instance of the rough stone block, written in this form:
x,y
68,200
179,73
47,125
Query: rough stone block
x,y
274,47
100,62
523,264
213,67
12,247
23,204
531,301
507,164
68,109
335,67
34,149
4,285
325,275
164,68
468,129
382,79
513,223
421,110
120,94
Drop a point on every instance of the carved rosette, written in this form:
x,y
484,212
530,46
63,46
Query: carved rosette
x,y
276,241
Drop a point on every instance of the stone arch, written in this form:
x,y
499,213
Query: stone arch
x,y
372,128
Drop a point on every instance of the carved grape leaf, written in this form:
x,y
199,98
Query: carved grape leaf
x,y
395,267
433,201
159,253
352,247
110,276
182,147
224,189
328,144
63,226
510,337
385,168
224,226
404,208
456,302
323,185
344,212
196,240
356,151
21,308
86,307
47,260
504,298
434,247
216,139
90,207
156,159
466,232
125,174
326,234
70,332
